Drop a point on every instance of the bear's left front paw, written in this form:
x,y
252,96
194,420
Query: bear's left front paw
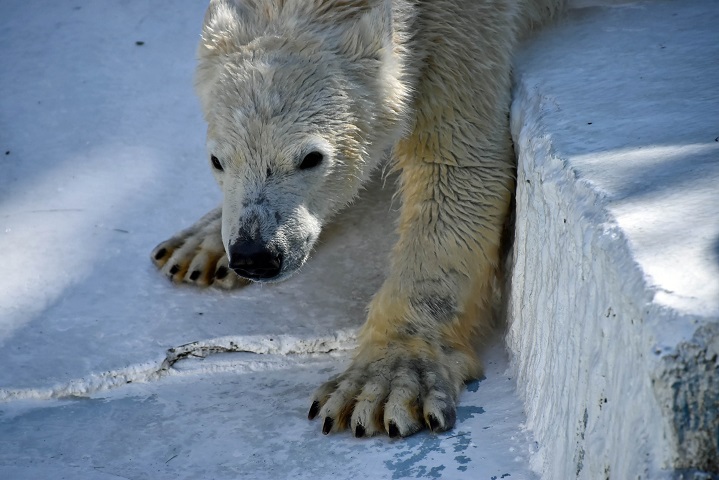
x,y
394,389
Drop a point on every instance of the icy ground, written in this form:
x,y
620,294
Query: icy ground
x,y
101,157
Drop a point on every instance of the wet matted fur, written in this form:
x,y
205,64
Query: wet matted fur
x,y
302,99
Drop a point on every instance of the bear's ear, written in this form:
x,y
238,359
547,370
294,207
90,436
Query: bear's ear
x,y
366,25
339,11
221,35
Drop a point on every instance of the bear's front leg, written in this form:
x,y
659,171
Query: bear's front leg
x,y
417,347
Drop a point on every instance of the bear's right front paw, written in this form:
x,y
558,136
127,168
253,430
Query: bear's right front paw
x,y
197,256
195,265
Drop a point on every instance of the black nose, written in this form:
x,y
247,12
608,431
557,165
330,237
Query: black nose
x,y
253,260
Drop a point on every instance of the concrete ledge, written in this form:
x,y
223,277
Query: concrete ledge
x,y
614,304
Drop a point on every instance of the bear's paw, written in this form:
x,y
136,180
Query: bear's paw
x,y
196,255
397,389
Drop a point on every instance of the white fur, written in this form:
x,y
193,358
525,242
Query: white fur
x,y
352,79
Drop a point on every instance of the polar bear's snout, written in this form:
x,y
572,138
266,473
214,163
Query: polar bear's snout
x,y
266,240
254,260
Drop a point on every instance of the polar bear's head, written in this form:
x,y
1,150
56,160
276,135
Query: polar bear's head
x,y
300,107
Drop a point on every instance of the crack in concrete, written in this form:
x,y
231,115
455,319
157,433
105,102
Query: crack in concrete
x,y
277,345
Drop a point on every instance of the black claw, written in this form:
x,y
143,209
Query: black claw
x,y
393,430
314,410
359,431
195,275
221,273
174,269
433,423
161,253
327,426
450,417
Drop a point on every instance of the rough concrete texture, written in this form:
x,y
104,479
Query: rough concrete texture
x,y
614,304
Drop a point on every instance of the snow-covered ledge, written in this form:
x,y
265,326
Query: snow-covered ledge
x,y
614,304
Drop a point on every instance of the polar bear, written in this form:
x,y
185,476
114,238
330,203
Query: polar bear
x,y
303,98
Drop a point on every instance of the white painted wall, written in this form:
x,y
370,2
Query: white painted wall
x,y
614,305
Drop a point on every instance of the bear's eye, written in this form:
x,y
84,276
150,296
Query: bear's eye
x,y
216,163
311,160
